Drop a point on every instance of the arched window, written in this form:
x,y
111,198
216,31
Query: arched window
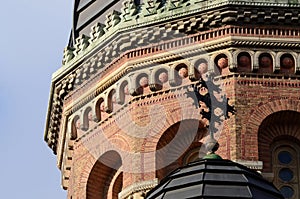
x,y
285,163
279,149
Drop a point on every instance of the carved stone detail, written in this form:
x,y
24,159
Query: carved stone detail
x,y
151,7
82,42
167,31
68,54
113,18
97,32
129,10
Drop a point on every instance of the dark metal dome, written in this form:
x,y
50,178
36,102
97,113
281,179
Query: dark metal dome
x,y
214,178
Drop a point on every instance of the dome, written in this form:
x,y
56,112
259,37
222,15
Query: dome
x,y
214,178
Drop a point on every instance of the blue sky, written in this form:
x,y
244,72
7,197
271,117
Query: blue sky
x,y
32,37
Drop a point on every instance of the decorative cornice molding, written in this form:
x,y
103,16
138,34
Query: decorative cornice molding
x,y
122,46
63,89
158,14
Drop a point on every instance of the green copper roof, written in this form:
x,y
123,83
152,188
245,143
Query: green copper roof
x,y
212,156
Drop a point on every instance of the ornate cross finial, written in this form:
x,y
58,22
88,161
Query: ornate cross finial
x,y
208,96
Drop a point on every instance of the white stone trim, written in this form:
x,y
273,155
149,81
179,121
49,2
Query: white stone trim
x,y
137,187
256,165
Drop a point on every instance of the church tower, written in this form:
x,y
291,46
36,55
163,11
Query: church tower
x,y
143,84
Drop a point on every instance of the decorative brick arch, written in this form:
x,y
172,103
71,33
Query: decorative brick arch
x,y
86,118
263,110
102,174
155,82
218,55
174,72
172,143
258,54
150,142
194,73
120,91
99,108
135,81
109,101
81,187
250,136
121,142
277,127
280,54
116,185
91,161
72,129
236,54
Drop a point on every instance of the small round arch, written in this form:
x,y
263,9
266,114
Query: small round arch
x,y
159,77
87,116
99,108
102,175
73,126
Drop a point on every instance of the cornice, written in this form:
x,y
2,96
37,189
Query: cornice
x,y
136,65
89,58
87,44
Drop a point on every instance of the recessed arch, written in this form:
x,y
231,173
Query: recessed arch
x,y
214,62
102,175
201,67
74,126
99,108
111,101
279,149
238,53
179,73
266,63
122,92
86,118
117,185
175,142
256,61
287,64
244,62
222,63
277,126
159,77
142,83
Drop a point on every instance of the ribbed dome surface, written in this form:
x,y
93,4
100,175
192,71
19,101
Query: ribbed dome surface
x,y
212,178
